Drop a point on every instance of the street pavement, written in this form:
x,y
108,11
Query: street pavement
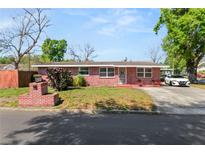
x,y
37,127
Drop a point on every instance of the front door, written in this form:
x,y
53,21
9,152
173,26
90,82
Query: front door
x,y
122,75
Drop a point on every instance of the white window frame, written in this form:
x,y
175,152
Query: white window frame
x,y
147,72
83,74
143,72
107,72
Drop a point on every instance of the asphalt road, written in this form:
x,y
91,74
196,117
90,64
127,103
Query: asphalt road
x,y
178,100
27,127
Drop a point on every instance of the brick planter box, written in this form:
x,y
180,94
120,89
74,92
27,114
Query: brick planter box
x,y
38,96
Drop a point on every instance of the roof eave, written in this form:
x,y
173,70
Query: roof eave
x,y
156,66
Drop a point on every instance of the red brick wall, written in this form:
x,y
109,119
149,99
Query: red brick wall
x,y
93,79
133,79
38,96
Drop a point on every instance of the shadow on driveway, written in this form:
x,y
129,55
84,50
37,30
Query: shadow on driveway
x,y
65,128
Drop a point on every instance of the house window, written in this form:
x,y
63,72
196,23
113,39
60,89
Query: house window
x,y
83,71
110,72
144,72
148,72
107,72
103,72
140,72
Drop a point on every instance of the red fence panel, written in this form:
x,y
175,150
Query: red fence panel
x,y
15,78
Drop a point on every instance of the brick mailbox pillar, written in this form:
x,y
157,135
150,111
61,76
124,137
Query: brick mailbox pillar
x,y
38,96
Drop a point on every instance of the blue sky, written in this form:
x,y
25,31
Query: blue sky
x,y
115,33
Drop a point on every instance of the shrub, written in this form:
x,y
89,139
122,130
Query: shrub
x,y
60,78
202,72
79,81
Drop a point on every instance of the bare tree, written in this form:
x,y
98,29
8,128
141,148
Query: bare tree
x,y
86,53
155,54
24,35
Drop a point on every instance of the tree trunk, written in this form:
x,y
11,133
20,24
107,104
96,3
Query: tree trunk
x,y
192,71
16,64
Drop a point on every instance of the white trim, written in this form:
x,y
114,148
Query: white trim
x,y
106,77
144,66
144,73
148,72
72,65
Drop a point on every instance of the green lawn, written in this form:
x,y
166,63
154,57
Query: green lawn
x,y
89,98
9,97
11,92
105,98
201,86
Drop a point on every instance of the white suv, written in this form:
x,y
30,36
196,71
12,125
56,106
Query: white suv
x,y
176,80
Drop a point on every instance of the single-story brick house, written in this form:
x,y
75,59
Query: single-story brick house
x,y
110,73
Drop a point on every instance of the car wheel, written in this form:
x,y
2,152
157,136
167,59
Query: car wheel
x,y
170,83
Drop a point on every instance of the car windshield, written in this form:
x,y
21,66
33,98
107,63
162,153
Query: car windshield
x,y
177,76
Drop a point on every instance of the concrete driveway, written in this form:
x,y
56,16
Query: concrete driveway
x,y
178,100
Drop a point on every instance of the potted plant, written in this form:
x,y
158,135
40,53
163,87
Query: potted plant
x,y
37,78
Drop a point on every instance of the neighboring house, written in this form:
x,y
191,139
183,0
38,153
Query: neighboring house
x,y
110,73
166,71
22,67
7,67
201,66
201,70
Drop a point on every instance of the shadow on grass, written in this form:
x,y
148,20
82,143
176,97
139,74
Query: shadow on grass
x,y
66,128
109,104
59,102
112,104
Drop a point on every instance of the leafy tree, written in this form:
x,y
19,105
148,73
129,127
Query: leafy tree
x,y
185,39
177,65
53,50
32,59
60,78
23,37
6,60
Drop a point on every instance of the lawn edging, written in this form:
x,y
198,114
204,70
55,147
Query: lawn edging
x,y
88,111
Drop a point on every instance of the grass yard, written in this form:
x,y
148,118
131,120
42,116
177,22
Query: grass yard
x,y
106,98
201,86
9,97
89,98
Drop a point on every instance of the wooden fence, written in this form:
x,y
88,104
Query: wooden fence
x,y
15,78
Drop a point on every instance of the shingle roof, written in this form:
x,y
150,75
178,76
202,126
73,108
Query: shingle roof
x,y
98,63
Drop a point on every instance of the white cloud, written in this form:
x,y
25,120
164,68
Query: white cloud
x,y
115,22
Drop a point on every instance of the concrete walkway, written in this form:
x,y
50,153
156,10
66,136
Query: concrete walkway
x,y
178,100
